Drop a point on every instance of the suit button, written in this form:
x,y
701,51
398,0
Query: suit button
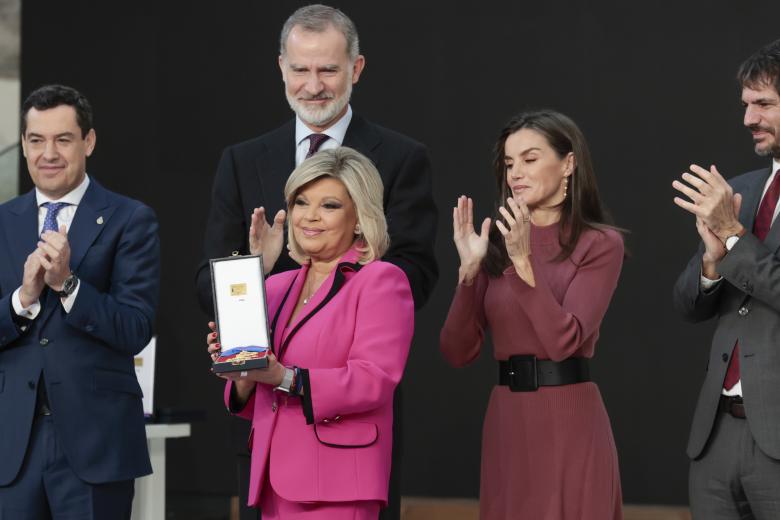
x,y
725,357
743,311
89,328
44,341
31,384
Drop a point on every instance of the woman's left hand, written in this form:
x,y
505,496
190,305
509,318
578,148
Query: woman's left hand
x,y
518,236
270,375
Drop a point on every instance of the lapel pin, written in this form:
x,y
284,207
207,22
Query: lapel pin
x,y
100,221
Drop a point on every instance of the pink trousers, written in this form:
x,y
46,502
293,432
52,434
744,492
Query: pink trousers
x,y
275,507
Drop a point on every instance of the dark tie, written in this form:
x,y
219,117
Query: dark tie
x,y
50,220
315,141
760,228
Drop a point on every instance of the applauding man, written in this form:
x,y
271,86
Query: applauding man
x,y
79,283
735,277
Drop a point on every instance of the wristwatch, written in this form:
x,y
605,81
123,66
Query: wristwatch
x,y
731,242
288,381
68,286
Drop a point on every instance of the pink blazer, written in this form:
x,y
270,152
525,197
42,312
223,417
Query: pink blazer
x,y
351,340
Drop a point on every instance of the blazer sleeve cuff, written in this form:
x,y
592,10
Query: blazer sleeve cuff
x,y
308,411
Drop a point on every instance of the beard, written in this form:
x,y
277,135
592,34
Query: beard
x,y
323,115
769,149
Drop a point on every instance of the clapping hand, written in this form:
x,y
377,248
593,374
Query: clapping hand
x,y
517,237
711,199
517,230
716,208
266,239
472,247
54,256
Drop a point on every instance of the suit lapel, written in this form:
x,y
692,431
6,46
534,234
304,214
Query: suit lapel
x,y
751,197
288,306
91,218
326,292
362,137
21,229
276,164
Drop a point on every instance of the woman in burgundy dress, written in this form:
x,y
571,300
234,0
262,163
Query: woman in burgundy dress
x,y
541,280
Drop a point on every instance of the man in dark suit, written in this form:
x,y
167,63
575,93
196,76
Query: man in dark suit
x,y
320,62
735,277
79,278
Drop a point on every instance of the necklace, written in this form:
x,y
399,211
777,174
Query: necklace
x,y
307,291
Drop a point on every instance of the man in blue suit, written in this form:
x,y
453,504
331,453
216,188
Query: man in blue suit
x,y
79,284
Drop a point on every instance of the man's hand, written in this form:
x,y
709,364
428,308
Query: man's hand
x,y
32,280
711,199
54,255
265,239
714,250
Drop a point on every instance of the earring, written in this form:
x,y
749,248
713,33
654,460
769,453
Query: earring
x,y
357,229
565,187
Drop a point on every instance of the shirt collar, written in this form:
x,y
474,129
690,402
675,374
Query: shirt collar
x,y
775,165
336,131
73,197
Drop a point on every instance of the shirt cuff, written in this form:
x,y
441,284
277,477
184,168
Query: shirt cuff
x,y
30,312
706,284
68,301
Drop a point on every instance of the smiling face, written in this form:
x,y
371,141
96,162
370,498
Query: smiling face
x,y
534,171
55,151
762,118
323,217
318,75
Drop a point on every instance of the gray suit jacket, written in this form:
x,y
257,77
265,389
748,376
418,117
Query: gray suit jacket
x,y
747,306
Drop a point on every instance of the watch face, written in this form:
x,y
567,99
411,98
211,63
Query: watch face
x,y
69,285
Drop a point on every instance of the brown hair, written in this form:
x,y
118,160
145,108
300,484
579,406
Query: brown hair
x,y
581,210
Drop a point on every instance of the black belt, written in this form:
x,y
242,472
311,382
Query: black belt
x,y
732,405
527,374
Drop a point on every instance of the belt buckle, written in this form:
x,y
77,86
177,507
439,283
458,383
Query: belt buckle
x,y
523,374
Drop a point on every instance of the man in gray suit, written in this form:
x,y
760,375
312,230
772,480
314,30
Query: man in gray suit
x,y
735,277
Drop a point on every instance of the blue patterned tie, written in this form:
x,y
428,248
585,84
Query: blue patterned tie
x,y
50,221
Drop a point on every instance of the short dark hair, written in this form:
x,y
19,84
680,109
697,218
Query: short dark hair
x,y
762,68
52,96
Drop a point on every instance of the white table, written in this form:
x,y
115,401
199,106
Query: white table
x,y
149,500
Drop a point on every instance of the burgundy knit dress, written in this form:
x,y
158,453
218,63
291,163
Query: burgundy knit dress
x,y
549,454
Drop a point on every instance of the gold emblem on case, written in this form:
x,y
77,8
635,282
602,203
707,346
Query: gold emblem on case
x,y
238,289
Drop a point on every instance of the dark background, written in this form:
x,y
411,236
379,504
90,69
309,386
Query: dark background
x,y
651,85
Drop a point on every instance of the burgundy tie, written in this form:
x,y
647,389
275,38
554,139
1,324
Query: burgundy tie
x,y
315,141
760,228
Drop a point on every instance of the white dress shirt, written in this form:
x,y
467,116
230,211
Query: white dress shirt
x,y
708,285
336,133
64,218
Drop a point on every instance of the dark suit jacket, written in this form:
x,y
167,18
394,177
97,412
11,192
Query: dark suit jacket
x,y
253,174
86,356
746,304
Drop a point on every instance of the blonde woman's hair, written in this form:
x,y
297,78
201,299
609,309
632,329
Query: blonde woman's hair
x,y
364,185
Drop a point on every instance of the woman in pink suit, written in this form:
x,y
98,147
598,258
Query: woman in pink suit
x,y
322,411
541,280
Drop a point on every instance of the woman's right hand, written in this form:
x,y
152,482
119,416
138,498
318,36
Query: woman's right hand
x,y
266,240
472,247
